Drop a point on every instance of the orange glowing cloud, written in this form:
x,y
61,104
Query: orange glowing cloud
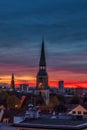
x,y
71,79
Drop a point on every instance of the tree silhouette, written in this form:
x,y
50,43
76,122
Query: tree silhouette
x,y
75,100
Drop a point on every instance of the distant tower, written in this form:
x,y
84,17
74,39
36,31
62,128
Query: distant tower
x,y
12,88
42,76
61,86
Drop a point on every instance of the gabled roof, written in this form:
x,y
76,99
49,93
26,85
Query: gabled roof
x,y
78,108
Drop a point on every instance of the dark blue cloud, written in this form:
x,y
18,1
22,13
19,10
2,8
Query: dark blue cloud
x,y
63,23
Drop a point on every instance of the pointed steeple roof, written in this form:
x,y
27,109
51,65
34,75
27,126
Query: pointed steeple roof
x,y
12,82
42,57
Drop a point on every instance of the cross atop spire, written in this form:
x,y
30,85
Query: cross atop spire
x,y
42,57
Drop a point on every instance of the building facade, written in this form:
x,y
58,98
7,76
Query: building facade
x,y
24,88
61,86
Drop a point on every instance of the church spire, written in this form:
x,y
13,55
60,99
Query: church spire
x,y
12,83
42,76
42,57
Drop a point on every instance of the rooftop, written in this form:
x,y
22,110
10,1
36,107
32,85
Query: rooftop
x,y
53,124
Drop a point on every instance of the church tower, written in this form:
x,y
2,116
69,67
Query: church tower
x,y
12,88
42,76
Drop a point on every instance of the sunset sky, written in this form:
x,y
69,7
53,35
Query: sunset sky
x,y
63,23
